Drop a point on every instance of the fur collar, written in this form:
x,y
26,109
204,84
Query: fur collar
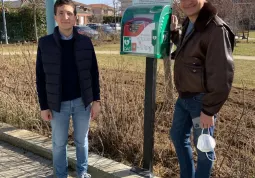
x,y
206,14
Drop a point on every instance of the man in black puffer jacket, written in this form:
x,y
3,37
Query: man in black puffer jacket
x,y
67,80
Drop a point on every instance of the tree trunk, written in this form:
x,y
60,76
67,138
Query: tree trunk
x,y
169,89
35,24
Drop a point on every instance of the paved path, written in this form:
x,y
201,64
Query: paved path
x,y
249,58
15,162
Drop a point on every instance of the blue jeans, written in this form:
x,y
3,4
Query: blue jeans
x,y
60,125
186,110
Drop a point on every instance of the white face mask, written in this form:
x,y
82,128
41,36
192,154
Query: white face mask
x,y
206,143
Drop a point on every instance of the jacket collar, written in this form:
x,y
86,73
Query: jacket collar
x,y
57,35
206,14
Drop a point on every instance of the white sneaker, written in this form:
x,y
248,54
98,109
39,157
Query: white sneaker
x,y
86,175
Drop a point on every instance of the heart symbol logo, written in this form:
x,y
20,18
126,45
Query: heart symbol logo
x,y
126,42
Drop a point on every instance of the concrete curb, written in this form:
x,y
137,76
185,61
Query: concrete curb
x,y
99,167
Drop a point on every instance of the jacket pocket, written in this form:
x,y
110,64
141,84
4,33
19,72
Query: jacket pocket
x,y
192,78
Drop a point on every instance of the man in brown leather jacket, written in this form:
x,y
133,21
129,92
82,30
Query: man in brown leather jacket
x,y
203,76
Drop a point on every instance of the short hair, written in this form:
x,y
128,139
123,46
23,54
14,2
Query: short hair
x,y
59,3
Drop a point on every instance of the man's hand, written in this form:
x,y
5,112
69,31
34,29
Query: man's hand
x,y
206,121
95,109
174,23
46,115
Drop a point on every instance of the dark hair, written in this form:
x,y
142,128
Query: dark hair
x,y
59,3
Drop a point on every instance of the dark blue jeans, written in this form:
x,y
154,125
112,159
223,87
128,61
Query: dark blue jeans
x,y
187,110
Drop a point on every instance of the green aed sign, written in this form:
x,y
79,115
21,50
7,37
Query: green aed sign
x,y
127,44
146,28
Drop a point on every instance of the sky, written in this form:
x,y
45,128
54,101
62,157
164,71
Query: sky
x,y
108,2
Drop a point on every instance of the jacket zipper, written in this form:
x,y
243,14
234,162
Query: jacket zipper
x,y
78,71
61,84
184,42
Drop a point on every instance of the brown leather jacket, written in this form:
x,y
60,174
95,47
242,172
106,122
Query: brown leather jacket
x,y
204,61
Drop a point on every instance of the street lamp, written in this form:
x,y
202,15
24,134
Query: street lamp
x,y
4,23
116,8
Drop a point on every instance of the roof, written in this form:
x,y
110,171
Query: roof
x,y
82,8
80,4
13,4
17,4
102,6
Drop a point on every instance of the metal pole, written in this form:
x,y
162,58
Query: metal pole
x,y
114,4
149,113
51,23
4,23
149,119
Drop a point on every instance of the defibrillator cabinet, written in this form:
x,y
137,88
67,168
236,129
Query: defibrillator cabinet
x,y
145,31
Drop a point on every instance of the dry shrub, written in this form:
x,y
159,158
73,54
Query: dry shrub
x,y
118,132
18,103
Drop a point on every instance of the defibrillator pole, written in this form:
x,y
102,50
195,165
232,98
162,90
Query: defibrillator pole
x,y
149,119
51,23
149,114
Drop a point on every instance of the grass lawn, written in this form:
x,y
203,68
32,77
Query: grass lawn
x,y
120,62
244,73
244,69
252,34
245,49
17,48
108,47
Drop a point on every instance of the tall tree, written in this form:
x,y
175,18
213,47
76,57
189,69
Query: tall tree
x,y
34,4
116,6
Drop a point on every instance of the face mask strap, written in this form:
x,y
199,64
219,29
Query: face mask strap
x,y
213,160
203,131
